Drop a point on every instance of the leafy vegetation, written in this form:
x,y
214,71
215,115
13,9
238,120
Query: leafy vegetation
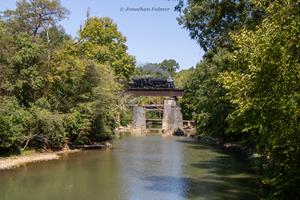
x,y
57,91
246,89
210,22
100,40
170,65
204,96
182,77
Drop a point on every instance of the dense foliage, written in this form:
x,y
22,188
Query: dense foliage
x,y
100,40
210,22
54,90
246,88
182,77
169,65
204,96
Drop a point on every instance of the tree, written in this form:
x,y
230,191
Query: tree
x,y
210,22
54,36
65,77
25,63
264,85
106,103
3,61
100,40
34,16
170,66
181,78
204,96
55,90
14,124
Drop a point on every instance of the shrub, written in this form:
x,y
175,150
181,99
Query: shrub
x,y
78,126
49,130
14,124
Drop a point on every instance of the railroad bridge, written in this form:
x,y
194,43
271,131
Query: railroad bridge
x,y
172,116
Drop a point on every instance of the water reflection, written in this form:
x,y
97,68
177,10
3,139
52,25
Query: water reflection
x,y
216,175
184,169
151,157
145,168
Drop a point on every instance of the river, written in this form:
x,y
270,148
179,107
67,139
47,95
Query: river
x,y
137,168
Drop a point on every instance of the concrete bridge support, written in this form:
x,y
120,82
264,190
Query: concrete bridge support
x,y
138,121
172,117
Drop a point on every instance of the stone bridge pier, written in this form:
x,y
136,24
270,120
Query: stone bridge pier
x,y
138,121
172,119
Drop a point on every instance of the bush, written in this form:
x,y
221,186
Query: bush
x,y
78,126
125,118
14,124
102,129
49,130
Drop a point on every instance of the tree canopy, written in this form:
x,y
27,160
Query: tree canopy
x,y
210,22
100,40
55,90
170,65
246,89
34,16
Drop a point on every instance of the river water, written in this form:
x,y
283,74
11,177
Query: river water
x,y
137,168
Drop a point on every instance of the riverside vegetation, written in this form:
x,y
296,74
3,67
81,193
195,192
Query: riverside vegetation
x,y
56,90
247,87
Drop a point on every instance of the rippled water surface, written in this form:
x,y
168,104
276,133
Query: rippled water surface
x,y
143,168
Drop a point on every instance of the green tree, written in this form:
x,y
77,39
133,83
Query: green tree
x,y
264,85
204,96
210,22
4,75
26,65
170,66
82,85
54,36
65,78
181,78
55,90
100,40
106,103
34,16
14,124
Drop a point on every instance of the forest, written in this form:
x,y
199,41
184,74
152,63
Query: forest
x,y
57,91
247,87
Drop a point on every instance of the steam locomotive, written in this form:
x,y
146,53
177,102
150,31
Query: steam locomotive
x,y
148,82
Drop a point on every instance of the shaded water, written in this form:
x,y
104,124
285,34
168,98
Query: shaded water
x,y
145,168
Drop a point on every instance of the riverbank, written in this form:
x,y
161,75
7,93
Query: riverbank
x,y
232,147
256,159
16,161
20,160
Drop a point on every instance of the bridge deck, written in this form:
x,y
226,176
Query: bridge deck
x,y
169,92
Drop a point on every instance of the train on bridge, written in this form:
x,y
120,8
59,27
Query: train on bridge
x,y
152,83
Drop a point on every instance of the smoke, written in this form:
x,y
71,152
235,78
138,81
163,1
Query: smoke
x,y
152,68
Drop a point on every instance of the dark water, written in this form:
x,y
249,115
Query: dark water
x,y
145,168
